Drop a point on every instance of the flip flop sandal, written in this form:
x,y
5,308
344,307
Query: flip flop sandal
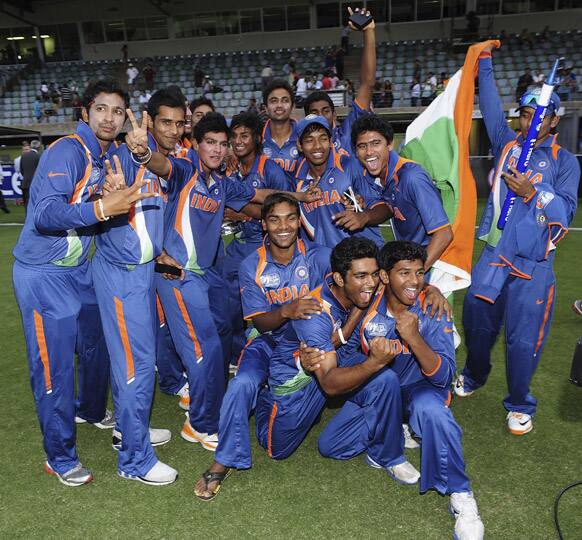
x,y
210,477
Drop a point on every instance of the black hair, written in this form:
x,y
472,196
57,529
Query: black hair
x,y
275,85
394,252
311,128
351,249
251,121
317,96
278,198
372,122
165,98
211,122
201,101
103,86
177,91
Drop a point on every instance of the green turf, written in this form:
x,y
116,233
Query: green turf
x,y
305,496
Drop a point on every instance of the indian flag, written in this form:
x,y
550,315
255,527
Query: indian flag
x,y
439,141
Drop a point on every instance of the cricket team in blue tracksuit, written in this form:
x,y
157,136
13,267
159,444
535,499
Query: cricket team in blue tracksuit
x,y
342,173
123,266
425,396
192,225
286,156
266,285
264,174
369,421
527,292
53,284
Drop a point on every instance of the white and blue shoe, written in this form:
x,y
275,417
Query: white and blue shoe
x,y
403,473
159,475
468,524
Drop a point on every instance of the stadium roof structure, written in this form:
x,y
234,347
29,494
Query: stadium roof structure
x,y
9,132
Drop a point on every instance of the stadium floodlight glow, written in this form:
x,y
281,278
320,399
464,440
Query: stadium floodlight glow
x,y
15,38
43,36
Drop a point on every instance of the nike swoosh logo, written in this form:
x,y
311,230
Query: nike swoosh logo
x,y
51,174
538,302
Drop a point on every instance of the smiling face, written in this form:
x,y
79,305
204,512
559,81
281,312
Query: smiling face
x,y
360,282
323,108
212,149
242,141
279,105
105,116
549,123
315,146
373,151
404,281
167,127
282,225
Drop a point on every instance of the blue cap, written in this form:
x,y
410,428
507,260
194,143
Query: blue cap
x,y
531,97
310,119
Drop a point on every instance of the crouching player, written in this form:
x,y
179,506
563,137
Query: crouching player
x,y
275,282
370,421
424,361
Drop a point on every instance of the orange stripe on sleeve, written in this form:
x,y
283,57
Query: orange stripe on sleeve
x,y
270,433
125,340
44,357
431,373
189,325
439,228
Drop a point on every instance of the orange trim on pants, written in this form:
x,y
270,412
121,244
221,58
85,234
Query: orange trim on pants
x,y
124,339
189,325
270,433
44,357
546,315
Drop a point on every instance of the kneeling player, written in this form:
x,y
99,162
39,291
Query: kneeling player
x,y
424,360
370,420
275,281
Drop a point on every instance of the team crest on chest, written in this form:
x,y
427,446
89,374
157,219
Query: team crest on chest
x,y
301,272
294,152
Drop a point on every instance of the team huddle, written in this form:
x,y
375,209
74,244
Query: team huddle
x,y
306,302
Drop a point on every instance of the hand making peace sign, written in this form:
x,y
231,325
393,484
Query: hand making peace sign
x,y
137,139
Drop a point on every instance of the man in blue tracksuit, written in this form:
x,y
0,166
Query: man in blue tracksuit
x,y
256,170
125,254
425,364
526,292
275,281
52,276
370,421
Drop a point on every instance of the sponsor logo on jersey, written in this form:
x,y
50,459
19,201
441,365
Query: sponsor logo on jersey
x,y
271,281
544,198
267,151
376,329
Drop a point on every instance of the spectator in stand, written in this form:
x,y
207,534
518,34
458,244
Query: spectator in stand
x,y
200,107
441,85
526,39
417,70
38,110
334,81
415,92
263,114
339,62
266,76
522,83
28,163
317,84
148,76
76,104
426,93
545,34
132,73
198,76
301,89
44,91
55,94
388,93
326,81
432,80
538,77
329,59
25,148
143,99
208,86
73,85
66,95
345,42
378,99
252,108
567,84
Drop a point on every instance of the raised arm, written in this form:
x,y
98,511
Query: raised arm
x,y
368,65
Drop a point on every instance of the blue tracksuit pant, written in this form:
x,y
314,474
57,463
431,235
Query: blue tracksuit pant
x,y
194,309
442,466
127,305
236,252
370,421
171,376
59,316
234,444
526,307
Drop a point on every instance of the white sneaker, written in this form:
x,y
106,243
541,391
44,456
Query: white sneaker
x,y
159,475
404,473
158,437
209,441
77,476
184,394
459,387
108,421
468,524
409,441
519,423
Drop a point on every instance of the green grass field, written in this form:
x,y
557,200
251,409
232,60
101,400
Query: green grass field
x,y
306,496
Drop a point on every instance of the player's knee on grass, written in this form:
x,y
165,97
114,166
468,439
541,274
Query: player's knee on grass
x,y
243,385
